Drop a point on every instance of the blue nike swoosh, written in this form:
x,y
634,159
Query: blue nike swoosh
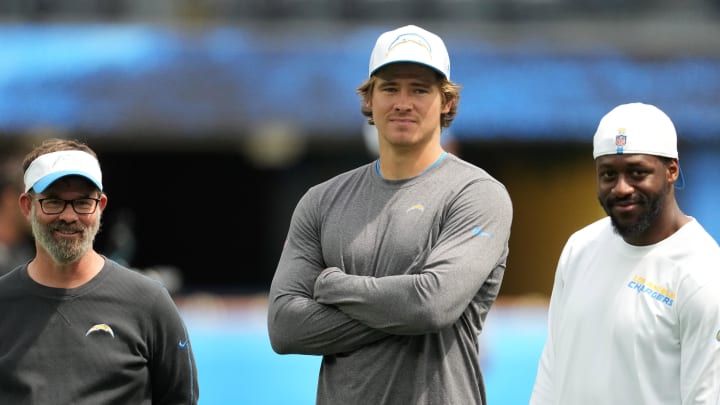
x,y
183,345
479,232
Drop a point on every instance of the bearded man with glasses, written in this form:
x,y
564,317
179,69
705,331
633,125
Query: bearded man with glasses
x,y
75,326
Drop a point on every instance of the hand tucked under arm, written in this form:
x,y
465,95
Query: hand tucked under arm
x,y
403,304
296,322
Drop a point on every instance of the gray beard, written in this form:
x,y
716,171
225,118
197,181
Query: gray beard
x,y
63,251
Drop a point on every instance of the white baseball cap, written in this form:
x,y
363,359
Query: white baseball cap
x,y
47,168
410,44
635,128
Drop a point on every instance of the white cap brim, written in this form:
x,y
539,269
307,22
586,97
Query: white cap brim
x,y
50,167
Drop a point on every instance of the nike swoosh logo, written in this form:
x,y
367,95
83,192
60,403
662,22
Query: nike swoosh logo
x,y
479,232
183,345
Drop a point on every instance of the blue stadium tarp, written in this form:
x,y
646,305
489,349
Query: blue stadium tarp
x,y
114,79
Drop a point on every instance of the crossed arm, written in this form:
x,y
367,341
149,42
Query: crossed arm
x,y
316,309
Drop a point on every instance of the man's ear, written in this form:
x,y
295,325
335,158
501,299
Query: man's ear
x,y
103,201
25,202
673,171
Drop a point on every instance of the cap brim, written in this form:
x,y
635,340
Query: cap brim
x,y
392,62
46,181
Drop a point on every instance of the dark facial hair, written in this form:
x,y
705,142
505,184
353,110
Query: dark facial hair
x,y
653,203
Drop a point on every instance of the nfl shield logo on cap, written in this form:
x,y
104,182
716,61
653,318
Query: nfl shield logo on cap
x,y
620,140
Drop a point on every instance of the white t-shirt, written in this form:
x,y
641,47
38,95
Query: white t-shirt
x,y
633,324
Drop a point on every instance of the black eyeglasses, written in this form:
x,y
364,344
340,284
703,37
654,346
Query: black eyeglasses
x,y
53,206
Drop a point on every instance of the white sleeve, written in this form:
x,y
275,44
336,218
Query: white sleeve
x,y
700,346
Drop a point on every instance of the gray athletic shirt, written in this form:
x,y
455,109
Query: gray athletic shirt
x,y
118,339
391,280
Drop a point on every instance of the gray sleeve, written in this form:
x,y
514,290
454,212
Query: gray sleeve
x,y
296,322
471,251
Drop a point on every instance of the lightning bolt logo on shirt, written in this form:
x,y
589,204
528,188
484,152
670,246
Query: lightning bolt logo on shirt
x,y
418,207
101,327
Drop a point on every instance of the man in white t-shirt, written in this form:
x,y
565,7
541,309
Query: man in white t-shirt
x,y
634,316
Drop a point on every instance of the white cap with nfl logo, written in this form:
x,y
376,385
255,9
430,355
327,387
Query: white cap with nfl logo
x,y
410,44
635,128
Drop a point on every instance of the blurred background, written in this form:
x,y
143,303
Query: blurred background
x,y
212,117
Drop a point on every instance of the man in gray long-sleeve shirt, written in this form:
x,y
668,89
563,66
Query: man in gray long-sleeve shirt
x,y
389,270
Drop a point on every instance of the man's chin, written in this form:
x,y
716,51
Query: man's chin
x,y
628,229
